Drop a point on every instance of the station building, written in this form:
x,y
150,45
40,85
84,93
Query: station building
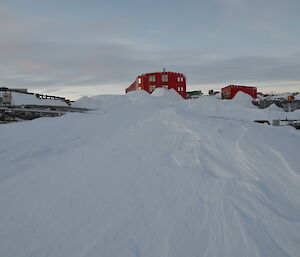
x,y
169,80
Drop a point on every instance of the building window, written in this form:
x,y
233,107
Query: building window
x,y
152,78
182,89
151,88
140,80
179,88
140,87
164,78
165,86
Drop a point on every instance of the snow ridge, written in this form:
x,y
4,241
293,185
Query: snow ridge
x,y
143,175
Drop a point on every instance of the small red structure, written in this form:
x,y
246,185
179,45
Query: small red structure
x,y
150,81
230,91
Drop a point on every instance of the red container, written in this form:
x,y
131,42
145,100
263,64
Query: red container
x,y
230,91
150,81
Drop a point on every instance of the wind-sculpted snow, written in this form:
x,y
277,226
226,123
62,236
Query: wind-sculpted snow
x,y
151,176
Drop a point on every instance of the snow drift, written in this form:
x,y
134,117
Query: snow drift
x,y
151,176
170,94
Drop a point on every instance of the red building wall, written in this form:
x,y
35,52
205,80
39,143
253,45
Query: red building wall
x,y
150,81
230,91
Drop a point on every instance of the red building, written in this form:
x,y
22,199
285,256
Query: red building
x,y
230,91
150,81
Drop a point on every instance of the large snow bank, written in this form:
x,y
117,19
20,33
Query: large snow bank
x,y
242,98
110,101
150,176
171,94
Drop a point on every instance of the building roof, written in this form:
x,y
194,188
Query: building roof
x,y
162,72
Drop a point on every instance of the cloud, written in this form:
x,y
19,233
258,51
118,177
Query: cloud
x,y
266,18
248,68
235,3
85,57
57,54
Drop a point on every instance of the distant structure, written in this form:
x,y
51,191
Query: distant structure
x,y
230,91
193,94
169,80
6,96
289,102
17,104
290,105
212,92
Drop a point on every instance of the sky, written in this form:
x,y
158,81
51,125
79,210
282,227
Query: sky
x,y
76,48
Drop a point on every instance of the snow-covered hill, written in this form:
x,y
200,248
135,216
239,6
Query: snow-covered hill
x,y
151,175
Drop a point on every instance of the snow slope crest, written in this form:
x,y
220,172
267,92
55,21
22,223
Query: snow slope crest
x,y
170,94
142,175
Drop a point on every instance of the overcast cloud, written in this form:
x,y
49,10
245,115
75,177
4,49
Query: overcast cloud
x,y
86,55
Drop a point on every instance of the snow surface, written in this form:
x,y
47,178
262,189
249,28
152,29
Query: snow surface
x,y
166,93
151,176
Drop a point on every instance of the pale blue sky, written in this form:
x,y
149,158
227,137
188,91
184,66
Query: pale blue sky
x,y
90,47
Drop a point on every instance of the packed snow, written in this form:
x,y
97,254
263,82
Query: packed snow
x,y
151,175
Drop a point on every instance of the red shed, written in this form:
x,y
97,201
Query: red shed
x,y
230,91
150,81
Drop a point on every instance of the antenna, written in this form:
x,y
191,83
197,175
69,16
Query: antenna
x,y
164,69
